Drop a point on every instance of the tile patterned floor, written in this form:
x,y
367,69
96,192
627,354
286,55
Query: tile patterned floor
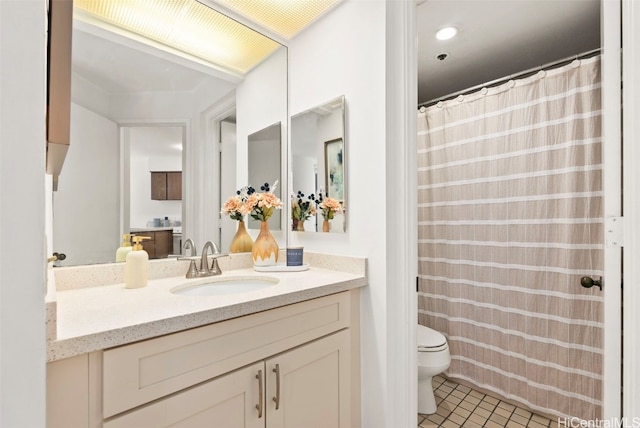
x,y
460,406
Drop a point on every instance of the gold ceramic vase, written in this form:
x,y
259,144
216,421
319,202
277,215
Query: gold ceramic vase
x,y
300,226
265,248
325,226
241,242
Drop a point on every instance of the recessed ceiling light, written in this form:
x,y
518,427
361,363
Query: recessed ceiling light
x,y
446,33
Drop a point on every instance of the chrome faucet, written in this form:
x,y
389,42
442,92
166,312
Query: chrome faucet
x,y
193,271
205,270
188,244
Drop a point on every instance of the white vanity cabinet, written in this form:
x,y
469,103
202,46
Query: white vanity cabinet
x,y
292,366
306,386
300,388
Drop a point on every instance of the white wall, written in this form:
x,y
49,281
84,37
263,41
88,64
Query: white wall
x,y
344,54
256,112
86,220
145,109
142,208
22,209
363,50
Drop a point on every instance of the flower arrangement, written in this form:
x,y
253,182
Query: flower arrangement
x,y
235,207
329,206
302,209
261,205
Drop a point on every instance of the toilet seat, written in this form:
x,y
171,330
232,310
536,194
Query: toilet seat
x,y
430,340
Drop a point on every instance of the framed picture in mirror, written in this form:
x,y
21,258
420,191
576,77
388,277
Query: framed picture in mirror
x,y
334,168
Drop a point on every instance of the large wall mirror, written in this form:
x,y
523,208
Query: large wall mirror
x,y
143,106
265,165
319,165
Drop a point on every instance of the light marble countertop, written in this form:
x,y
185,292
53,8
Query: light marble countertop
x,y
98,317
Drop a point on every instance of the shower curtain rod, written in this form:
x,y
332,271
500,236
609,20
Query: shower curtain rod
x,y
526,73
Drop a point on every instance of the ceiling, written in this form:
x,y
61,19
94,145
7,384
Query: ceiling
x,y
178,45
498,38
116,67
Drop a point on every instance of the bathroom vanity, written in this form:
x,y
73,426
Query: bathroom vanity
x,y
284,355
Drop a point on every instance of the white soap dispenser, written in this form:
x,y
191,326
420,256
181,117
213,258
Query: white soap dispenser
x,y
125,248
136,270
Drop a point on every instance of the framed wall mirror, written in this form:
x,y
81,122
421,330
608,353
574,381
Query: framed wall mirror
x,y
319,167
140,105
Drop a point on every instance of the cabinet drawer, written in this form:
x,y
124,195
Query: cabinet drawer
x,y
138,373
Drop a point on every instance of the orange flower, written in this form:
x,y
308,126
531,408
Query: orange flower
x,y
330,207
236,207
261,205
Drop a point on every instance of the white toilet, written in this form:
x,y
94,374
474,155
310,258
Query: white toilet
x,y
433,358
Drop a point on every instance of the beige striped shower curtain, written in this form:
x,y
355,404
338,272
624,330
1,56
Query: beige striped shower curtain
x,y
510,219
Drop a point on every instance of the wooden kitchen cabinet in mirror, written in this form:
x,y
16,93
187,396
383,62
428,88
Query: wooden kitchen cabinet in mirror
x,y
160,242
166,185
319,168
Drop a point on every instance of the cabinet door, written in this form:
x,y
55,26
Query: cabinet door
x,y
228,401
159,186
163,244
310,386
149,245
174,186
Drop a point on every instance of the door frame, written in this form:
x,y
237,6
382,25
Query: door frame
x,y
631,205
612,190
211,206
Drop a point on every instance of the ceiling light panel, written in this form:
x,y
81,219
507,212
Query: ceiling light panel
x,y
187,26
284,17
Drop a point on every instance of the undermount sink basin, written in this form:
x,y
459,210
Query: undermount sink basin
x,y
219,287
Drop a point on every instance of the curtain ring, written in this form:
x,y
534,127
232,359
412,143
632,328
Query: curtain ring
x,y
460,98
511,83
575,63
440,104
484,91
423,109
541,74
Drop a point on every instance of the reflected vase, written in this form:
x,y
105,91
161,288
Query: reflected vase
x,y
326,226
241,242
265,248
